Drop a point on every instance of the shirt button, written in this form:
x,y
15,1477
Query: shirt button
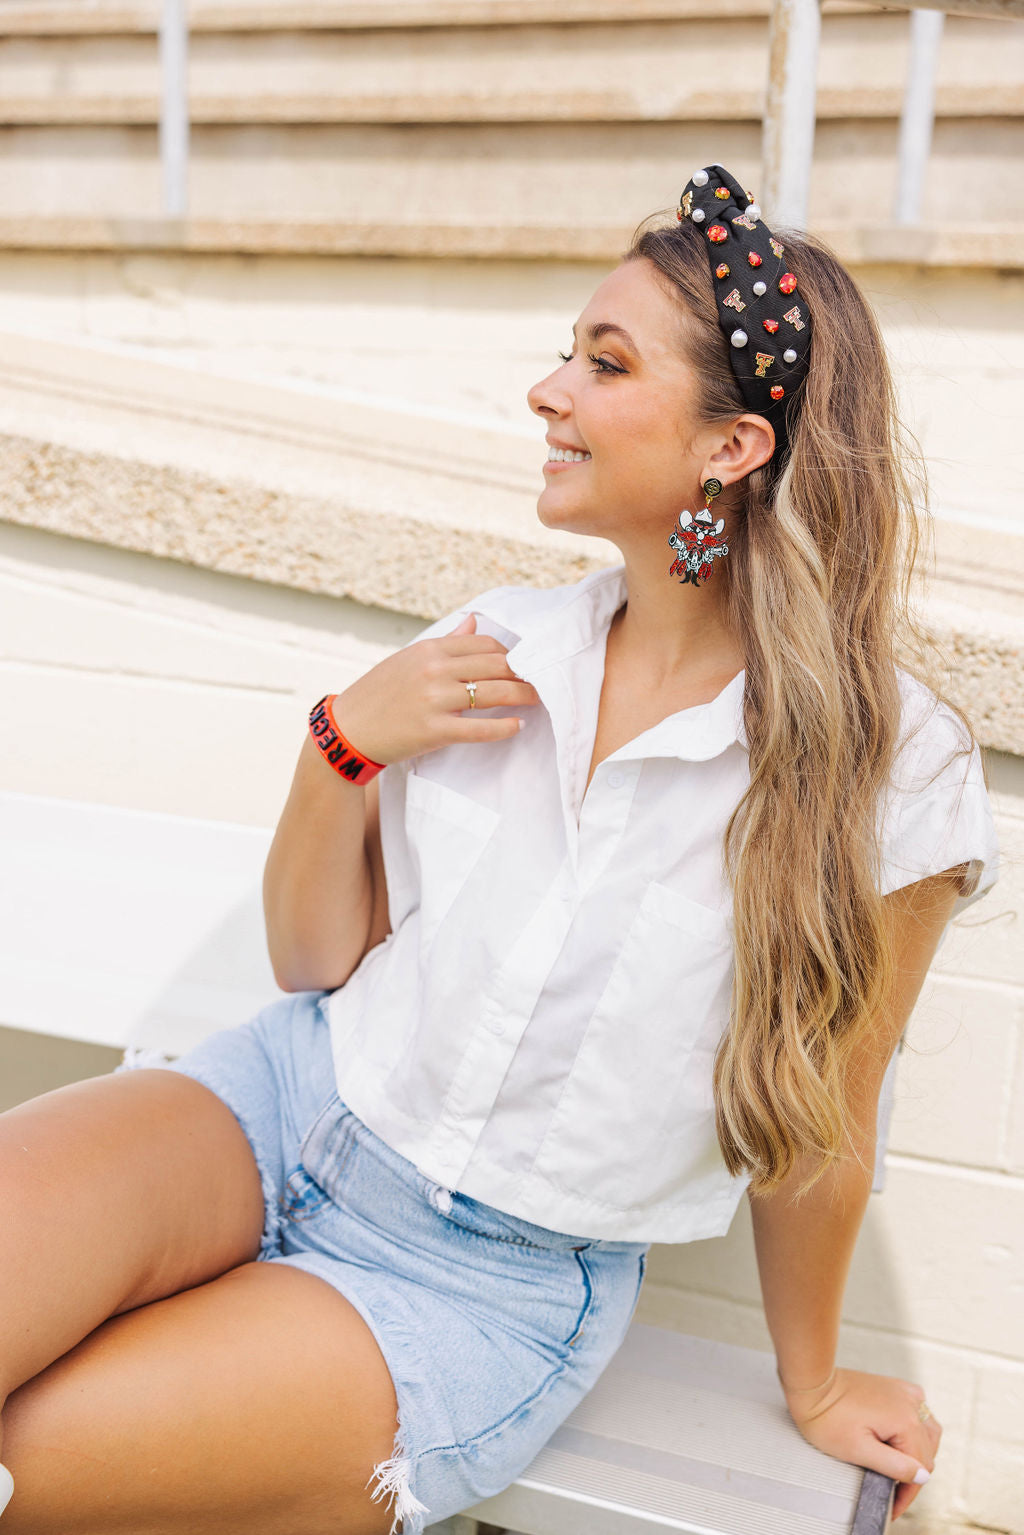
x,y
443,1200
496,1025
616,780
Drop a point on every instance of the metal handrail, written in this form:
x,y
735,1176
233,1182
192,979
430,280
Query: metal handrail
x,y
790,110
174,126
918,121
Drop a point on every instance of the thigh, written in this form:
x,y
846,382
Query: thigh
x,y
114,1192
258,1401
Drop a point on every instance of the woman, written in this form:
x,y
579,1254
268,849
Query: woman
x,y
632,923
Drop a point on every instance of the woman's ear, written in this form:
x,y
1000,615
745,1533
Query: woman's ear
x,y
760,440
751,444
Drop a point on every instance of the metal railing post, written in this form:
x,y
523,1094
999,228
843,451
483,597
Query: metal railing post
x,y
174,106
788,142
918,117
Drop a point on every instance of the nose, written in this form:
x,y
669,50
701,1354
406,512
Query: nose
x,y
549,397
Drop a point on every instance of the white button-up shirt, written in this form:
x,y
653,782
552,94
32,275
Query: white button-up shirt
x,y
539,1027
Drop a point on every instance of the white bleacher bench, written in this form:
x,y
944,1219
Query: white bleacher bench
x,y
123,927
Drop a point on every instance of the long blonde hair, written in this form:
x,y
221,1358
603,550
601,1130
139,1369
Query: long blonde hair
x,y
819,589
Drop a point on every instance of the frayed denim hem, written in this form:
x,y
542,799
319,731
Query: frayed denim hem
x,y
391,1478
136,1056
144,1057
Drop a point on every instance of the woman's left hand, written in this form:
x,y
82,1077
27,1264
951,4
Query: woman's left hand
x,y
872,1421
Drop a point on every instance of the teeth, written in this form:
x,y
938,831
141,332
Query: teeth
x,y
566,456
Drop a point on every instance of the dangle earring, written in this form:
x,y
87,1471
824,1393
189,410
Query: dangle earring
x,y
699,543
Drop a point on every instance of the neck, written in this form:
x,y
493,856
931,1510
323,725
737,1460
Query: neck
x,y
674,633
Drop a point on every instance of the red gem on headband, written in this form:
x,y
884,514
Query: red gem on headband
x,y
754,259
718,233
787,282
777,391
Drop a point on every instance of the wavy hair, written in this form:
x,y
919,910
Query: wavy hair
x,y
820,590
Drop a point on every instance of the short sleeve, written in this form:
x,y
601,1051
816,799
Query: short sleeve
x,y
936,811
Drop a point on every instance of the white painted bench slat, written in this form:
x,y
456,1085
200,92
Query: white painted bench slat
x,y
684,1434
129,927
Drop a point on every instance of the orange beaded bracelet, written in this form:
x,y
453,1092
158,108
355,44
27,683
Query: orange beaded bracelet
x,y
335,749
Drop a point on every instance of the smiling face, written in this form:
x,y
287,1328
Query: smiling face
x,y
624,398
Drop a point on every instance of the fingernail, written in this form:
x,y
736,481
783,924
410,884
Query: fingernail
x,y
923,1476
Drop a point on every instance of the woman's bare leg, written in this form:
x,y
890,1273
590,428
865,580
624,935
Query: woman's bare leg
x,y
113,1193
258,1401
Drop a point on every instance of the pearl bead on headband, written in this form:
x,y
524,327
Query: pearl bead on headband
x,y
763,316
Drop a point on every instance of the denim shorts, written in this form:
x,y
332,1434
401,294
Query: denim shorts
x,y
493,1328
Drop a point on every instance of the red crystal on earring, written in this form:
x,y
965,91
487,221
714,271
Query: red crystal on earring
x,y
754,259
787,282
777,391
721,270
771,326
717,233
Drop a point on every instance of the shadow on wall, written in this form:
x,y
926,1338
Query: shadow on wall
x,y
31,1064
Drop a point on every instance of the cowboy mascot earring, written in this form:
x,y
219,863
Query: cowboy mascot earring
x,y
698,544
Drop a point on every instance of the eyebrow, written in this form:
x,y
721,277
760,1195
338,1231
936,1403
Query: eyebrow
x,y
606,328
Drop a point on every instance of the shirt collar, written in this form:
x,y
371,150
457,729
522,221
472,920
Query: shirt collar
x,y
546,627
561,622
700,732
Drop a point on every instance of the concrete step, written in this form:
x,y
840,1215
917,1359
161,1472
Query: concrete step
x,y
575,189
410,509
626,71
39,17
396,506
986,247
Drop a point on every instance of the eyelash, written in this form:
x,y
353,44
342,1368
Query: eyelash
x,y
600,365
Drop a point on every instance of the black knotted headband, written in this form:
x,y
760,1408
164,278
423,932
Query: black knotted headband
x,y
760,309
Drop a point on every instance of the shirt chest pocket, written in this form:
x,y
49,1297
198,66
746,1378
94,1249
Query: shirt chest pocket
x,y
641,1080
447,832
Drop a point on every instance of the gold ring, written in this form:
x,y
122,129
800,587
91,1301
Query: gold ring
x,y
471,690
923,1411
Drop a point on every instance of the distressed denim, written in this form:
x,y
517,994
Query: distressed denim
x,y
493,1328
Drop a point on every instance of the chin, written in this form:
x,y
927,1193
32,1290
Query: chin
x,y
569,519
582,520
